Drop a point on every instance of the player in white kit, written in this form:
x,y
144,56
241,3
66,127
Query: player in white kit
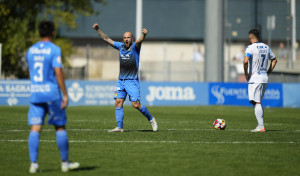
x,y
256,56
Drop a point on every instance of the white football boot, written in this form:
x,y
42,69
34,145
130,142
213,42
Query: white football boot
x,y
259,129
34,168
66,166
154,124
117,129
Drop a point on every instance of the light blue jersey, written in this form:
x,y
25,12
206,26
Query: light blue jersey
x,y
129,61
41,59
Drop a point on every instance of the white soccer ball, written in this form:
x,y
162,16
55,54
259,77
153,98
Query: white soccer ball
x,y
219,124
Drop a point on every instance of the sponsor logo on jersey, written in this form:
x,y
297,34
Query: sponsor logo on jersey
x,y
40,51
40,88
125,57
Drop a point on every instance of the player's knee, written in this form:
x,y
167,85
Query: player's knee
x,y
36,128
136,105
119,103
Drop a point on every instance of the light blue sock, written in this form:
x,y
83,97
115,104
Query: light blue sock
x,y
119,116
62,144
33,145
145,112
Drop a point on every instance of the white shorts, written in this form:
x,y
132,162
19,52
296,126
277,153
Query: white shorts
x,y
256,91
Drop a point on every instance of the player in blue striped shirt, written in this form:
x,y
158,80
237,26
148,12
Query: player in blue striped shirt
x,y
128,83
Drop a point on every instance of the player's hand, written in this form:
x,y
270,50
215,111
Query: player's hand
x,y
96,26
144,31
247,77
64,102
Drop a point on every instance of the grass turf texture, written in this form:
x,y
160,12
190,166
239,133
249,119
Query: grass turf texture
x,y
186,143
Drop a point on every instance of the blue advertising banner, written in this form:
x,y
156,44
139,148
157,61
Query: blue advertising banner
x,y
174,93
291,97
14,92
97,93
80,92
91,93
237,94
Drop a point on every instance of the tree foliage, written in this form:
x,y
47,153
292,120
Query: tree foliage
x,y
18,27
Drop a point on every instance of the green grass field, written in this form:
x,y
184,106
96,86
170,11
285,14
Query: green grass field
x,y
186,143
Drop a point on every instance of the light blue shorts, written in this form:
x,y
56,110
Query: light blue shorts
x,y
130,87
56,116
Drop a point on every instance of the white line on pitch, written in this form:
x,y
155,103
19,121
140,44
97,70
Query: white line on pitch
x,y
199,129
193,142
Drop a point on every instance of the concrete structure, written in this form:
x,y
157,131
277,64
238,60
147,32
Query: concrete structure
x,y
176,31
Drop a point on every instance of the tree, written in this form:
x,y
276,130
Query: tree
x,y
18,27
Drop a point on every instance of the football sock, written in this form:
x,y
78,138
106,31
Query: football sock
x,y
33,145
119,116
145,112
259,113
62,144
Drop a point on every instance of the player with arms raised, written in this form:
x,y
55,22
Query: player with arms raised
x,y
257,56
128,83
46,77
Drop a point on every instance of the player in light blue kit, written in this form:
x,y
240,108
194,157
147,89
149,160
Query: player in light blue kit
x,y
128,83
46,77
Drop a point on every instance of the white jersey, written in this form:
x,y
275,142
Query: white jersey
x,y
259,54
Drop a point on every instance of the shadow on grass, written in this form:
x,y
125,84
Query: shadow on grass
x,y
145,131
87,168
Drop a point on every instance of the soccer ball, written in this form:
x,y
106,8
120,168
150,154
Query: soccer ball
x,y
219,124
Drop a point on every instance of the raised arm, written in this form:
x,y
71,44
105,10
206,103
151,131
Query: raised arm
x,y
138,43
272,66
103,35
246,59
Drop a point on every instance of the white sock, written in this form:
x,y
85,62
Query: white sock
x,y
65,163
35,164
259,114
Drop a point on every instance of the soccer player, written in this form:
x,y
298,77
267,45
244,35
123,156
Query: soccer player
x,y
257,56
128,83
46,77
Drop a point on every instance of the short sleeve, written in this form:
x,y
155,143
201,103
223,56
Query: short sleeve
x,y
117,45
138,49
272,55
56,61
248,52
26,58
